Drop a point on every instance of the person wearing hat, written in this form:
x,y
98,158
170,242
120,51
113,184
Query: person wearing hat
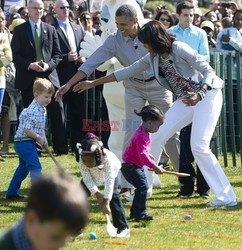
x,y
208,26
197,19
15,23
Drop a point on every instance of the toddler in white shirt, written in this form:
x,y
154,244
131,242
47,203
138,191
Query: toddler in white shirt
x,y
99,167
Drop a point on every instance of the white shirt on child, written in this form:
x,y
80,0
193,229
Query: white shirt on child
x,y
94,177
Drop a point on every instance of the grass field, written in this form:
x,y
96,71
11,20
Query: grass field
x,y
208,229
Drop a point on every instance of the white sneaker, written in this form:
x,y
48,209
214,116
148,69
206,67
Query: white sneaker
x,y
124,233
218,203
149,193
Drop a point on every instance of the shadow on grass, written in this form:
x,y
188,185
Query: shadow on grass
x,y
236,184
10,155
198,206
141,224
182,206
4,202
11,206
166,192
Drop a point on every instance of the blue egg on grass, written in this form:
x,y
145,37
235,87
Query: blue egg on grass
x,y
92,236
188,217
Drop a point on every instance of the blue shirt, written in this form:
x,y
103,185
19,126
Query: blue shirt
x,y
32,24
20,239
32,118
195,37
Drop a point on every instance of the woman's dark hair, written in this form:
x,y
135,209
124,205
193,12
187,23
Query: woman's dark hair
x,y
167,13
150,112
90,145
155,35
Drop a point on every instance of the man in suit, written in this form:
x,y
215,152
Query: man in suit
x,y
70,36
36,53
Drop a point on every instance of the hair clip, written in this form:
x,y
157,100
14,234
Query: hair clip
x,y
93,148
91,136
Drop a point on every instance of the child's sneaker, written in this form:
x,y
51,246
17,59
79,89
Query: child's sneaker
x,y
125,233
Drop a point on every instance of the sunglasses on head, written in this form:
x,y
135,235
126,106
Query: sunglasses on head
x,y
65,7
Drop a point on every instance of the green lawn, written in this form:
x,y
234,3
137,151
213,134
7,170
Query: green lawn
x,y
209,228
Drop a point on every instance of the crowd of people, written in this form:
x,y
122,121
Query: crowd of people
x,y
166,63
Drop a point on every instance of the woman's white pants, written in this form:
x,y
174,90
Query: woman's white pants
x,y
204,116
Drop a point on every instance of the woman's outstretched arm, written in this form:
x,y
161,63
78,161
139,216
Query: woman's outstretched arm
x,y
85,85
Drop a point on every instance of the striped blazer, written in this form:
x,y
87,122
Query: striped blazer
x,y
5,57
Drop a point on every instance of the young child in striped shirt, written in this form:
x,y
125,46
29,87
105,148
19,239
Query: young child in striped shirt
x,y
137,155
99,167
31,129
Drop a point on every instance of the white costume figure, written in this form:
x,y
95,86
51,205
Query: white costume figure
x,y
113,92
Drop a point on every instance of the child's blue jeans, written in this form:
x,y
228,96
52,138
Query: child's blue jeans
x,y
28,162
136,176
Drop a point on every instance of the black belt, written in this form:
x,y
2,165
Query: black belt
x,y
145,80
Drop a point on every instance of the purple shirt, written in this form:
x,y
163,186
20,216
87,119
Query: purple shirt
x,y
137,152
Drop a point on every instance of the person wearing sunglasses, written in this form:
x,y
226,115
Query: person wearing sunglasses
x,y
85,20
165,16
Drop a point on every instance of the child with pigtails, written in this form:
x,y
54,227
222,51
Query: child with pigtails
x,y
99,166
